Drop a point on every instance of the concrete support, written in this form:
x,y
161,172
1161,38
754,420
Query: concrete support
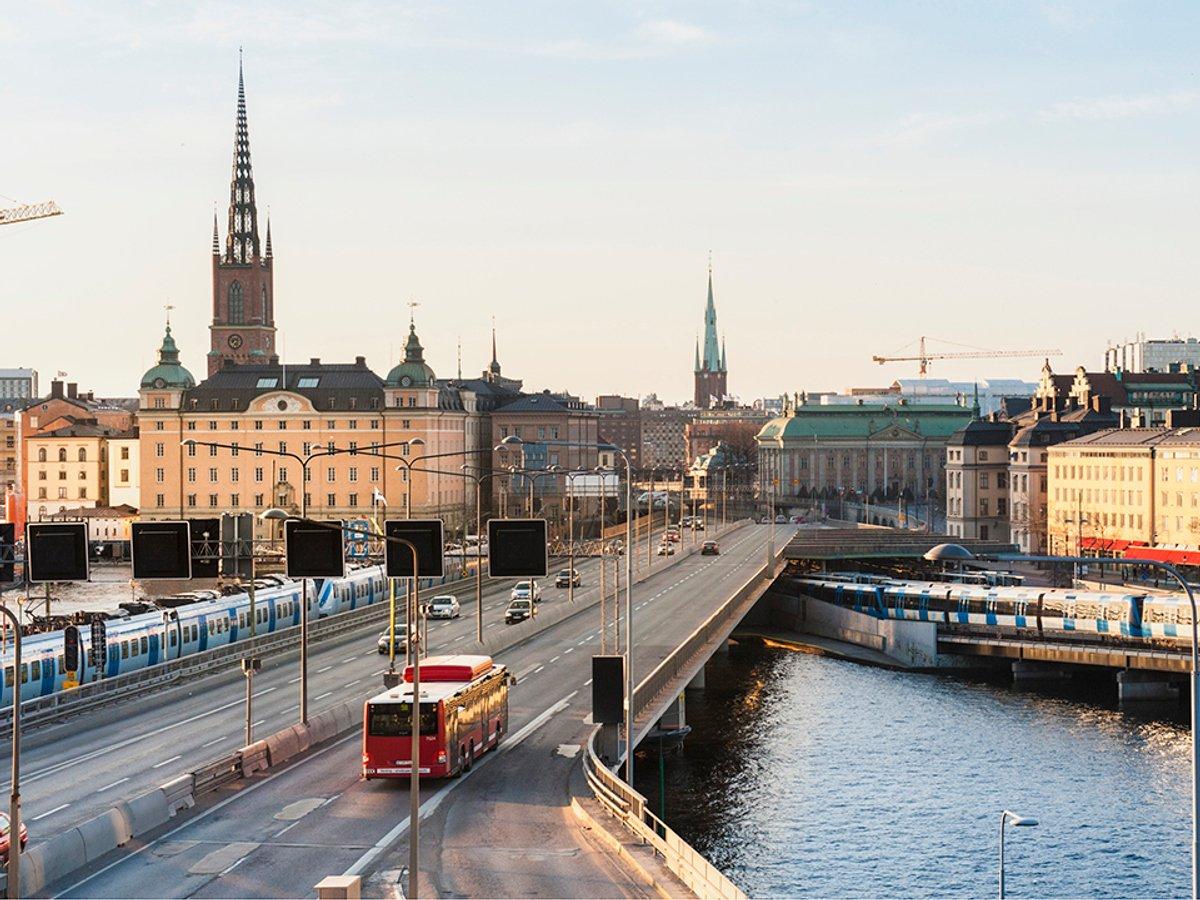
x,y
1025,671
607,744
1137,686
339,887
697,683
675,716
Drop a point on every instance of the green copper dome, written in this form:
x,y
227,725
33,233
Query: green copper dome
x,y
168,372
413,372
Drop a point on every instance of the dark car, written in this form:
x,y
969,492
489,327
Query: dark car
x,y
385,639
709,548
566,577
518,611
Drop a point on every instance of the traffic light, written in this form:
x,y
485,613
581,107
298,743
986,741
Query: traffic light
x,y
98,652
425,535
314,549
8,551
56,551
517,548
71,648
161,550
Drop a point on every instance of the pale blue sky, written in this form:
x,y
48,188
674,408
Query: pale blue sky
x,y
1009,175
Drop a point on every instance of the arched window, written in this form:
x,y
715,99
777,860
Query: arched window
x,y
266,305
42,454
237,307
82,455
62,454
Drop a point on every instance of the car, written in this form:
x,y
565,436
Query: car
x,y
568,577
385,639
781,519
709,548
518,611
671,535
526,590
4,836
797,520
698,525
666,549
444,606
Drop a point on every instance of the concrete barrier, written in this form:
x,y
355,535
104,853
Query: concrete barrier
x,y
253,758
322,728
303,738
33,871
59,856
347,715
147,811
180,793
282,746
105,832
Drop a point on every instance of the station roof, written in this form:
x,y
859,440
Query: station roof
x,y
878,543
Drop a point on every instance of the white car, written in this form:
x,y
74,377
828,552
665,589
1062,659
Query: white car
x,y
444,606
781,519
526,590
666,549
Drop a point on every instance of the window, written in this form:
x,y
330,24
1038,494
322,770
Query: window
x,y
191,450
41,493
983,480
258,424
124,475
306,425
353,424
82,455
235,500
374,473
353,500
308,383
258,473
983,506
191,499
331,474
160,402
331,499
235,475
160,475
264,383
212,475
283,447
306,448
283,475
258,448
212,500
234,449
283,424
191,426
191,475
42,454
412,401
212,426
353,475
407,423
258,499
331,423
237,304
160,500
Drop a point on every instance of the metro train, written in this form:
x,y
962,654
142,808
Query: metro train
x,y
1055,613
138,641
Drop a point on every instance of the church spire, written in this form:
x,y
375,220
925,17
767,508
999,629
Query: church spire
x,y
697,369
723,366
216,237
241,242
494,366
711,360
268,253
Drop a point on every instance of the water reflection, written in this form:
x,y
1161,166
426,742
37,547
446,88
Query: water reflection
x,y
810,776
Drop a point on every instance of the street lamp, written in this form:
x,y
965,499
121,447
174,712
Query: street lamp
x,y
959,553
629,548
1006,818
14,797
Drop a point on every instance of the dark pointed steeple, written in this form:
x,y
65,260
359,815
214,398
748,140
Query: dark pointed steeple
x,y
241,241
216,237
268,254
494,365
697,368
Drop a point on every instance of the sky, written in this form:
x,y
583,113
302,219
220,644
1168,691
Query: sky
x,y
1008,175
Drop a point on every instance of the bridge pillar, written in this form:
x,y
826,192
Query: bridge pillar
x,y
697,683
675,717
608,744
1026,671
1137,686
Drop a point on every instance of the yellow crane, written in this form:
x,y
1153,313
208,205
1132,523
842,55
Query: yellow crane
x,y
28,212
923,356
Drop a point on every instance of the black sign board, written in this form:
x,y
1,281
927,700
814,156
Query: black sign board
x,y
71,648
237,545
206,547
517,548
608,690
8,551
56,551
314,549
425,535
98,652
162,550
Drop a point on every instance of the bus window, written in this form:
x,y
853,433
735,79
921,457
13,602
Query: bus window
x,y
395,720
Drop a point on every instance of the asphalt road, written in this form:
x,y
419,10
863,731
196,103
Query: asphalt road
x,y
501,830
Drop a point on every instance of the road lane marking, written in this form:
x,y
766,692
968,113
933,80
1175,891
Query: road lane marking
x,y
586,683
350,660
535,671
267,691
324,695
555,659
326,669
166,762
430,806
109,787
293,680
568,650
51,812
209,744
256,724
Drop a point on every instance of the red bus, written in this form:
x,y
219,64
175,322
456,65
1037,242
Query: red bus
x,y
463,714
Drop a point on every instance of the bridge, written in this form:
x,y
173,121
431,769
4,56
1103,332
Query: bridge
x,y
214,818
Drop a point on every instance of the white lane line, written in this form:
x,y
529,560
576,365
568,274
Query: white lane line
x,y
555,659
267,691
568,650
456,640
166,762
109,787
586,683
584,641
326,669
327,694
431,805
234,866
293,680
350,660
51,812
535,671
286,827
354,682
209,744
256,724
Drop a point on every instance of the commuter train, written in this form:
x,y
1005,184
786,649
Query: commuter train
x,y
138,641
1052,613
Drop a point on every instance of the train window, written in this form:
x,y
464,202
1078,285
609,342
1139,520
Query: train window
x,y
24,672
124,649
146,648
172,639
35,670
8,676
241,620
62,666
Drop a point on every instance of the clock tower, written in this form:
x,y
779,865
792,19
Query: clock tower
x,y
243,323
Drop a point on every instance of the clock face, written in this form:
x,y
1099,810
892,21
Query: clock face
x,y
235,341
406,381
160,382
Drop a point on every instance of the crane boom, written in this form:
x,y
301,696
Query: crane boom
x,y
28,212
923,358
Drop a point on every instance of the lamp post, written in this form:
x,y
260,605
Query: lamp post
x,y
1007,817
14,797
959,553
629,547
571,476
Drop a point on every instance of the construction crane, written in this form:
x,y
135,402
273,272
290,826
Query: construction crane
x,y
924,357
28,212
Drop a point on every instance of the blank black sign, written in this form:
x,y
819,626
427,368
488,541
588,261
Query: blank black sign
x,y
162,550
206,547
314,549
608,690
425,535
56,551
517,548
8,550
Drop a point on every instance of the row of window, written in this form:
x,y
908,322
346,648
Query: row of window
x,y
1099,495
1102,473
307,448
281,474
62,493
353,501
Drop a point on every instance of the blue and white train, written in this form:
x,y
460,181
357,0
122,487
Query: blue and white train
x,y
138,641
1055,613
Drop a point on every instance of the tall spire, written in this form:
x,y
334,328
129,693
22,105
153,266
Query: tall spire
x,y
711,360
268,253
724,368
494,366
241,242
697,353
460,357
216,237
975,411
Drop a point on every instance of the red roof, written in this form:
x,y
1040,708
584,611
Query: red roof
x,y
462,667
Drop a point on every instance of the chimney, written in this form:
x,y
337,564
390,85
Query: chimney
x,y
56,389
315,361
360,361
72,390
1101,404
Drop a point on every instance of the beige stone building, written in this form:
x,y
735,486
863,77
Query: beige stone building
x,y
977,490
67,468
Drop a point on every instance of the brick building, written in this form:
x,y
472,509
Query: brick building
x,y
621,424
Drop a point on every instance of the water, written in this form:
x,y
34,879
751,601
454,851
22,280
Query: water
x,y
809,776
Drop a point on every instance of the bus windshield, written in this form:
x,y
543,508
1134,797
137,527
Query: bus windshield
x,y
395,720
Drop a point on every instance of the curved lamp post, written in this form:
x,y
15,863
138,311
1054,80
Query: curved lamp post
x,y
1006,818
959,554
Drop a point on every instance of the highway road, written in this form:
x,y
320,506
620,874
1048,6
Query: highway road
x,y
74,769
501,830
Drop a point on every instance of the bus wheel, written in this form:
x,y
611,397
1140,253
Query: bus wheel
x,y
471,756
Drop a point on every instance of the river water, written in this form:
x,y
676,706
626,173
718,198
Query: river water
x,y
811,776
